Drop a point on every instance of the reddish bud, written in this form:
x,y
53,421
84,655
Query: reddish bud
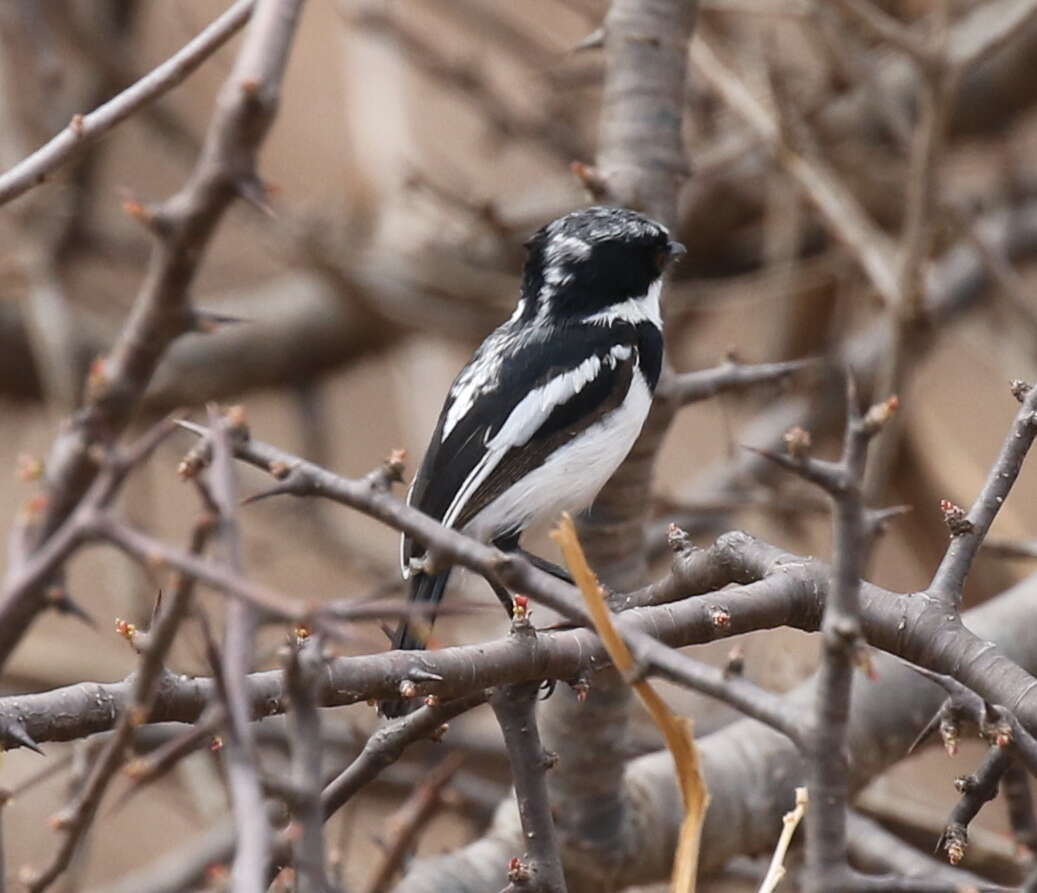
x,y
720,617
125,629
518,871
28,468
954,517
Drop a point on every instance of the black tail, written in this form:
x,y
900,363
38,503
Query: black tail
x,y
424,589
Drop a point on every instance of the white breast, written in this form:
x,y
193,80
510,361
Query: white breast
x,y
572,475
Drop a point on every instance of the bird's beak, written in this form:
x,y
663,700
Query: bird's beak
x,y
676,250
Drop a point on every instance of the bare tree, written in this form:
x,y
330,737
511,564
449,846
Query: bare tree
x,y
846,161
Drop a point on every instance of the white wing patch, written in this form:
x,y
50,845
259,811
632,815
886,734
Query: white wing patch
x,y
527,417
571,477
404,564
479,377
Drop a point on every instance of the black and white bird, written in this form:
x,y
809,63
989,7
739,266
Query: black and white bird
x,y
553,400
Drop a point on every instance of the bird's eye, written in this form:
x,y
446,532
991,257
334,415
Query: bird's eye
x,y
662,258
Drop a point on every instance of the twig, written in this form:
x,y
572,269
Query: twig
x,y
75,819
701,384
84,129
241,758
874,849
182,226
148,769
889,30
404,826
790,821
970,529
935,98
301,674
976,790
1015,784
991,27
837,205
28,572
827,866
515,709
386,745
188,867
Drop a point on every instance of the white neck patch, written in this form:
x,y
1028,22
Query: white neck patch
x,y
633,310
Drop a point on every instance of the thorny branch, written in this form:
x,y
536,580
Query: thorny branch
x,y
241,756
84,129
515,709
182,227
738,584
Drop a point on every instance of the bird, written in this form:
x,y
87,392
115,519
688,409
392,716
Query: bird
x,y
551,402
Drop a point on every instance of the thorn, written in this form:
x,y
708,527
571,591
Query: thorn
x,y
877,520
279,490
256,193
76,125
593,41
921,737
193,427
420,675
207,321
13,730
63,603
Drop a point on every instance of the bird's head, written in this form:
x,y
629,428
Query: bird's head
x,y
590,260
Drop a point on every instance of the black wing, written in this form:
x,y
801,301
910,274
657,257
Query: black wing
x,y
502,373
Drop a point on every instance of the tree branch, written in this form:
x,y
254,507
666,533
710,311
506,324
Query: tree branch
x,y
85,129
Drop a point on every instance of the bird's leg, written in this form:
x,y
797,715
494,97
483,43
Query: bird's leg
x,y
504,594
548,567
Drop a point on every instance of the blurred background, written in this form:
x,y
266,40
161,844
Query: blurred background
x,y
418,145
